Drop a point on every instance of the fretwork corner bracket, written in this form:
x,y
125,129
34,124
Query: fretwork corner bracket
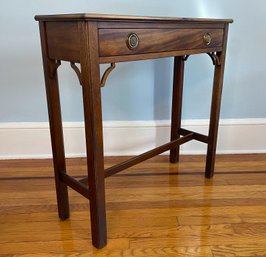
x,y
106,74
185,57
104,77
215,59
54,66
213,56
77,71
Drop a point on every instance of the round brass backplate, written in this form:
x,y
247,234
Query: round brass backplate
x,y
132,41
207,39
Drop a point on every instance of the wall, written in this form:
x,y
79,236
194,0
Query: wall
x,y
148,83
137,91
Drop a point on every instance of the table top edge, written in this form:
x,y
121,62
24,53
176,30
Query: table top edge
x,y
130,18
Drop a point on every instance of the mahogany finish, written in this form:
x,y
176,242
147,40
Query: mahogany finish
x,y
92,39
113,41
177,96
56,129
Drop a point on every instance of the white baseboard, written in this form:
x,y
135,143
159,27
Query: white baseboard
x,y
32,140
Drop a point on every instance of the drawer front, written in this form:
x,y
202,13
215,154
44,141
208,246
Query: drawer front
x,y
115,42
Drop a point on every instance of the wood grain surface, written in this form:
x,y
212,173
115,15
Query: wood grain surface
x,y
112,42
153,209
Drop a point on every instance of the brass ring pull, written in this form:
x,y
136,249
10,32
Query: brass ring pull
x,y
207,39
132,41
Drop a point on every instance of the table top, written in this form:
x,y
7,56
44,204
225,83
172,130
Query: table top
x,y
110,17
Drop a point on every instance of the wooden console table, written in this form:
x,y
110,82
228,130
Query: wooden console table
x,y
90,40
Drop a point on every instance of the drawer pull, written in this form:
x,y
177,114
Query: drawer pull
x,y
207,39
132,41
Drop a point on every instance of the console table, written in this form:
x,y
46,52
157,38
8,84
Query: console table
x,y
92,39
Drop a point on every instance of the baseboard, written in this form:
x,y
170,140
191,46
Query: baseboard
x,y
32,140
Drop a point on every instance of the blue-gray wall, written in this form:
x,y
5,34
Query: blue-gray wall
x,y
137,90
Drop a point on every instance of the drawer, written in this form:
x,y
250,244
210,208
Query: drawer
x,y
117,42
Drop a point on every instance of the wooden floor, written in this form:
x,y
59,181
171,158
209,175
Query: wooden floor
x,y
154,209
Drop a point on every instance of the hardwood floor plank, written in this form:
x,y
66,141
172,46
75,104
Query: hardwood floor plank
x,y
253,217
62,246
209,219
241,250
138,252
151,195
190,242
77,166
79,211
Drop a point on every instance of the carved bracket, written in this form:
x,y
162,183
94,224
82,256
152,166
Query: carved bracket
x,y
185,57
54,66
213,55
106,74
104,78
215,59
77,71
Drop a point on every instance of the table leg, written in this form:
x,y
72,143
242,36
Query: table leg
x,y
56,130
94,134
215,113
177,105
